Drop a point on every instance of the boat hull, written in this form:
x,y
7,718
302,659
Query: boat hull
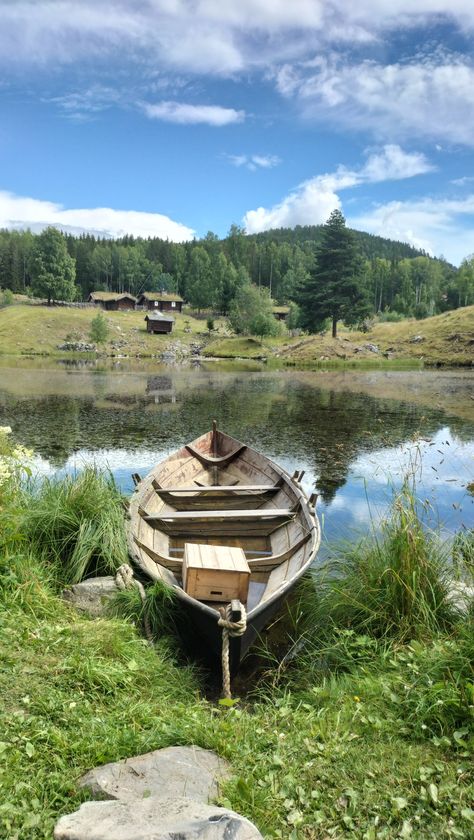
x,y
280,532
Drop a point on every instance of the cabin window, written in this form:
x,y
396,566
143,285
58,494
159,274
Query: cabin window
x,y
155,303
173,304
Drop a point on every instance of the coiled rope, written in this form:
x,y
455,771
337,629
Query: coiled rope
x,y
125,579
234,629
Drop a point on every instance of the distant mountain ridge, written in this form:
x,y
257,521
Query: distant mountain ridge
x,y
371,246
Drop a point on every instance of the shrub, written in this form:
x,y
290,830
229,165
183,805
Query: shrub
x,y
99,329
7,298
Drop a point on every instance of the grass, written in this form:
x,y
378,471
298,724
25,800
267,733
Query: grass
x,y
35,329
365,734
76,524
446,339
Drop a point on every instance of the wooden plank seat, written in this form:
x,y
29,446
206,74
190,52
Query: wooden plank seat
x,y
215,460
231,522
221,496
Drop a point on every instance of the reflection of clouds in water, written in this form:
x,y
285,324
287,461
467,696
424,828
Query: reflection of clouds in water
x,y
442,466
448,459
121,463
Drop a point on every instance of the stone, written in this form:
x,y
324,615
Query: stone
x,y
372,347
155,818
77,347
173,771
416,339
92,595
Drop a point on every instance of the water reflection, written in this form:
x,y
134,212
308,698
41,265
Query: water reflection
x,y
351,444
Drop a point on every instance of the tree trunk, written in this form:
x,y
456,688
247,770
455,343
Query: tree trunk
x,y
334,326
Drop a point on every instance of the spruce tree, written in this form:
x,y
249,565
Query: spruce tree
x,y
333,289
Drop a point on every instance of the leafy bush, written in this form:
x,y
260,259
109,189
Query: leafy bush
x,y
7,298
99,330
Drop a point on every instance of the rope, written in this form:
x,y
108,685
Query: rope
x,y
124,579
229,628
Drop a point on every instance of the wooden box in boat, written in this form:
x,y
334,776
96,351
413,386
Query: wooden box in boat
x,y
215,573
216,491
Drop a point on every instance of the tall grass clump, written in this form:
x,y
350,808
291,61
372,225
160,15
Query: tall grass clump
x,y
393,586
77,524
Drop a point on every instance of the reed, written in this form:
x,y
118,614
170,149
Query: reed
x,y
396,585
76,524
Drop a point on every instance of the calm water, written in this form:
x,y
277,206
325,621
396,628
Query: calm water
x,y
355,434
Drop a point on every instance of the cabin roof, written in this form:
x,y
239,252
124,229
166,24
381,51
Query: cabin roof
x,y
281,310
161,296
111,296
158,316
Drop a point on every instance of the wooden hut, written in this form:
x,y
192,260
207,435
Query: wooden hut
x,y
112,300
281,312
161,301
157,322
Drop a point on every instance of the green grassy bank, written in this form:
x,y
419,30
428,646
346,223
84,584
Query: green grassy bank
x,y
446,339
365,731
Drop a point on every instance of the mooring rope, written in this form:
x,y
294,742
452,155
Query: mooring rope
x,y
229,628
125,579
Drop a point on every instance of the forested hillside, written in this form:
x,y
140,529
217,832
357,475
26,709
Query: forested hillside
x,y
208,272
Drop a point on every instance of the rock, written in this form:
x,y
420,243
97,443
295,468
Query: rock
x,y
155,818
91,595
173,771
416,339
77,347
372,347
461,594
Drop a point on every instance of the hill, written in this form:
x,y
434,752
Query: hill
x,y
370,246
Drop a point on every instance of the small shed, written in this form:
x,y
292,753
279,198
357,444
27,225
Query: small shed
x,y
161,301
281,312
112,300
156,322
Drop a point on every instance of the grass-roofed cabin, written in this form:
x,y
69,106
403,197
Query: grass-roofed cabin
x,y
157,322
161,301
281,312
113,300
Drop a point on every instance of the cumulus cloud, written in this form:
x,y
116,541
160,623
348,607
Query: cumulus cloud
x,y
426,97
439,226
254,162
20,212
186,114
313,200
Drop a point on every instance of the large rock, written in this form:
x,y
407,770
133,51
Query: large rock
x,y
91,596
174,771
156,818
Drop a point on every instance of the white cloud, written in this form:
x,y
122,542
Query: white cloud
x,y
205,36
429,97
254,162
440,227
312,201
461,182
20,212
185,114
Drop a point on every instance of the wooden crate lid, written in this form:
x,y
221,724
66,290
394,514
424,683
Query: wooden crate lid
x,y
223,557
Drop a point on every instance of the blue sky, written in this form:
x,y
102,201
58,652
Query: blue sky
x,y
174,117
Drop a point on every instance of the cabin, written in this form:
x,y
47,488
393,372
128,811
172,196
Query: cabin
x,y
113,300
281,312
161,301
157,322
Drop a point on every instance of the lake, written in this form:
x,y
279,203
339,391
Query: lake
x,y
355,433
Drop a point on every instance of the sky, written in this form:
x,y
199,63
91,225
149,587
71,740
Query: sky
x,y
173,118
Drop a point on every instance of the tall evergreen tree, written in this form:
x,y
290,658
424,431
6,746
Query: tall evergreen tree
x,y
333,289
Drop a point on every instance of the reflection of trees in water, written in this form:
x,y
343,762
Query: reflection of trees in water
x,y
325,429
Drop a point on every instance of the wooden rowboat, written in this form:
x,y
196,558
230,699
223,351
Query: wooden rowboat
x,y
218,492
